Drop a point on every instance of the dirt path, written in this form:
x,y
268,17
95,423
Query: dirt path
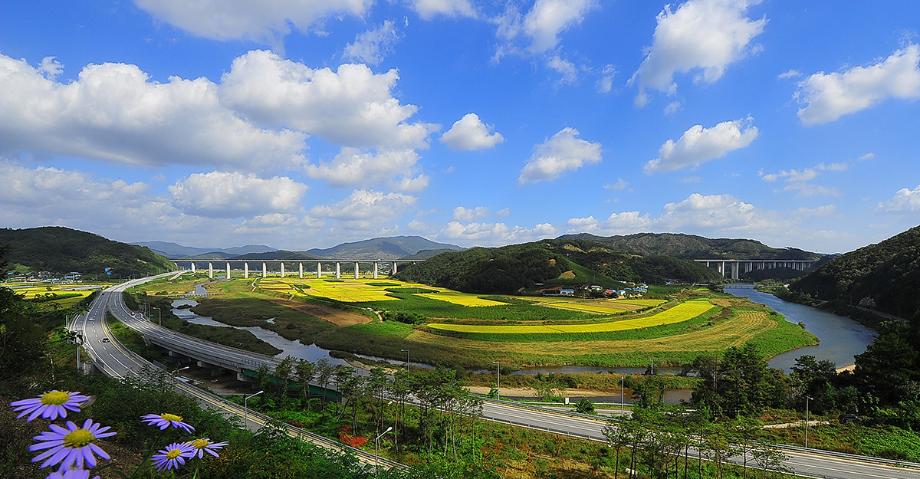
x,y
338,317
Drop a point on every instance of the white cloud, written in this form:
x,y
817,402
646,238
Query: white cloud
x,y
351,106
567,71
373,45
625,222
672,108
799,180
605,83
364,209
828,96
822,211
428,9
353,166
265,21
719,213
231,194
698,145
113,111
503,213
701,35
619,185
470,214
470,133
51,67
412,184
561,153
548,18
789,74
905,200
489,234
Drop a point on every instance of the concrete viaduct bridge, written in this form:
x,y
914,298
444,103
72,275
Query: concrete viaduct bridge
x,y
733,268
278,265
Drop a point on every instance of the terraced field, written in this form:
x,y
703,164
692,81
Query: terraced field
x,y
682,312
599,306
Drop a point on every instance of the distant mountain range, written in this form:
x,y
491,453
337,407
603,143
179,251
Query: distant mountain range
x,y
692,247
174,250
394,247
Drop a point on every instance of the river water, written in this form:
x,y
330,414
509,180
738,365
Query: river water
x,y
840,337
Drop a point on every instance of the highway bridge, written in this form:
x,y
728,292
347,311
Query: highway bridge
x,y
283,267
734,268
115,360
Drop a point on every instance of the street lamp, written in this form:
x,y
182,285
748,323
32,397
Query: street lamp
x,y
246,408
407,358
807,398
622,401
377,450
159,316
498,380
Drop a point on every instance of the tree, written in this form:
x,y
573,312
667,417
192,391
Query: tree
x,y
584,406
737,384
323,375
814,379
618,437
305,370
284,371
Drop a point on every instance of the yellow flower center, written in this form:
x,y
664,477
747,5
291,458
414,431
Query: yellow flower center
x,y
200,443
78,438
55,398
171,417
173,453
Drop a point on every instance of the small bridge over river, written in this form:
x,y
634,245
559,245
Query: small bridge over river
x,y
283,267
734,268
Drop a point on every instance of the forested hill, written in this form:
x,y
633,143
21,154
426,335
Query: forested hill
x,y
61,250
883,276
692,246
551,262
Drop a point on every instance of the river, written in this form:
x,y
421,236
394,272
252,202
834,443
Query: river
x,y
840,337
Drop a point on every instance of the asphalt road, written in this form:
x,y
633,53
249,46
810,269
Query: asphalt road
x,y
116,361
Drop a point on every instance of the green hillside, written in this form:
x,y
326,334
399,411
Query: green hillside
x,y
883,276
692,246
550,262
58,249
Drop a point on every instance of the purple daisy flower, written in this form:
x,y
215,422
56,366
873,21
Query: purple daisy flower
x,y
70,474
51,405
172,456
73,447
204,445
166,420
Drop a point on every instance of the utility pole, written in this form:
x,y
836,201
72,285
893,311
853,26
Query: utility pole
x,y
407,358
246,408
498,380
622,383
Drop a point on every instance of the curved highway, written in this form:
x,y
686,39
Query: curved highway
x,y
117,361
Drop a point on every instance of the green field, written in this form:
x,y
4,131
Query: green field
x,y
518,331
50,296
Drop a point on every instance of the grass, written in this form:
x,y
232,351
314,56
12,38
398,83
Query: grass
x,y
682,312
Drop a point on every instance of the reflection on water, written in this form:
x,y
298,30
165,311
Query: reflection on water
x,y
310,352
840,337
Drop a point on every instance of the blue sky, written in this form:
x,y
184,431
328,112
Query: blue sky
x,y
306,123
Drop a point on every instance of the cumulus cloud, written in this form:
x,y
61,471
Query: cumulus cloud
x,y
353,166
698,145
540,27
568,73
489,234
266,21
704,36
428,9
469,214
350,106
625,222
470,133
605,83
799,180
113,111
789,74
364,209
825,97
373,45
232,194
561,153
619,185
905,200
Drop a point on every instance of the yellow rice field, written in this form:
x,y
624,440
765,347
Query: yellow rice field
x,y
682,312
367,290
456,297
599,306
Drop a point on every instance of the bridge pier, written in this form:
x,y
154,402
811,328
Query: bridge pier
x,y
338,271
394,269
375,270
210,271
193,267
264,270
228,270
356,270
319,269
282,269
246,270
300,265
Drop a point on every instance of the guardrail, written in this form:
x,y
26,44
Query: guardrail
x,y
853,457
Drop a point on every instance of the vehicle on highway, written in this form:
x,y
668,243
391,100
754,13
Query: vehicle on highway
x,y
105,340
